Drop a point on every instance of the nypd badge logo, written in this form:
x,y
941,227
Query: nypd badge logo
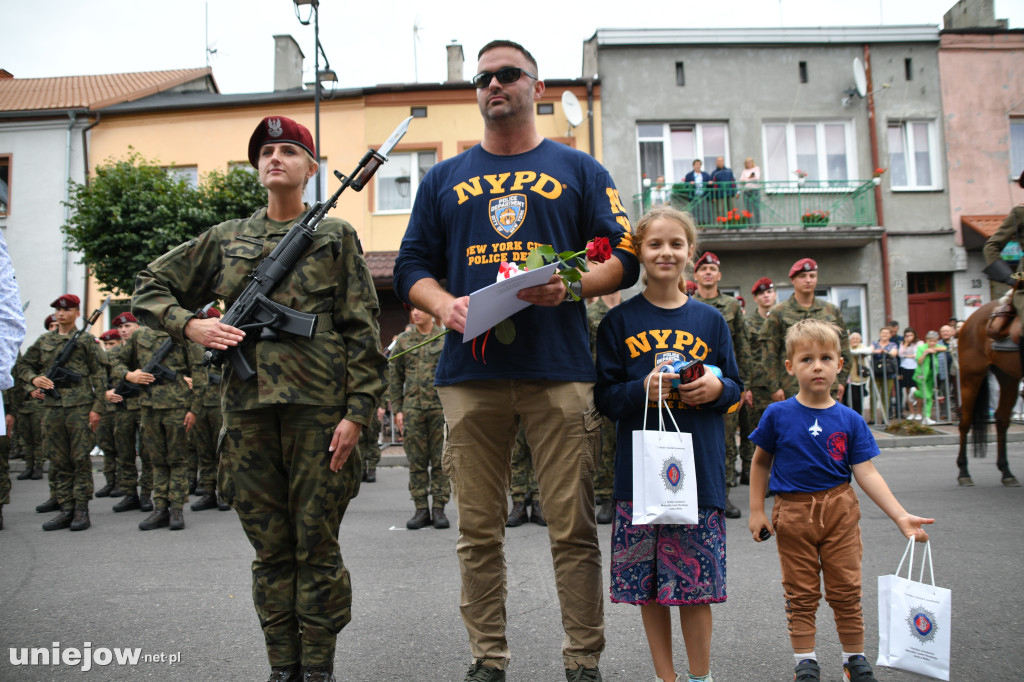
x,y
667,356
672,475
922,624
274,128
507,214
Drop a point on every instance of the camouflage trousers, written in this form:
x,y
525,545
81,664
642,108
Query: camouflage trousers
x,y
424,438
274,471
126,429
604,474
732,424
29,433
163,435
105,442
205,433
69,440
369,450
523,484
5,470
750,417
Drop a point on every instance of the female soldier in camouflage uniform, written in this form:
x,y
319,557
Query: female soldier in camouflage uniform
x,y
288,434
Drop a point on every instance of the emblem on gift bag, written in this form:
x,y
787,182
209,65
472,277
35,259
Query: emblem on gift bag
x,y
922,624
672,475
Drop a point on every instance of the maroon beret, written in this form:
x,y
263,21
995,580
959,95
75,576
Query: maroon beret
x,y
691,288
123,318
110,335
279,129
802,265
67,302
50,319
707,258
763,284
743,304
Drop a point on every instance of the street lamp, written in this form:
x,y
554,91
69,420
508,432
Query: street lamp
x,y
324,76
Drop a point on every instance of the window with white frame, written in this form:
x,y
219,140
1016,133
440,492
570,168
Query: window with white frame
x,y
675,146
398,179
914,155
190,174
309,193
821,150
1016,147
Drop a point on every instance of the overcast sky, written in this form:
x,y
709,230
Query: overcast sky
x,y
372,41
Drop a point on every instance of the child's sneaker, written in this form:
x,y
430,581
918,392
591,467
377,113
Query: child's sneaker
x,y
807,670
857,669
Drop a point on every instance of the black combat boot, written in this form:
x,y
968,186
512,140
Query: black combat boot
x,y
192,486
26,474
130,501
145,502
607,511
81,520
37,473
51,505
518,516
200,490
317,673
207,501
371,475
177,521
222,505
418,520
105,490
731,511
440,520
158,519
286,673
536,515
117,492
60,521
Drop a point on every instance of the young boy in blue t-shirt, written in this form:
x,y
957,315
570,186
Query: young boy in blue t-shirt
x,y
812,445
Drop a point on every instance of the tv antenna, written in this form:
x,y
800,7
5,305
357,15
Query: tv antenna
x,y
860,84
572,109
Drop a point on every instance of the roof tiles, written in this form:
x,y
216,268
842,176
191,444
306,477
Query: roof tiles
x,y
90,92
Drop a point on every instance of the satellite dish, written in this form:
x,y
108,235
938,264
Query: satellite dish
x,y
572,109
859,77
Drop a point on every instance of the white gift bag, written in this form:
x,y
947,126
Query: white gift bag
x,y
664,479
914,620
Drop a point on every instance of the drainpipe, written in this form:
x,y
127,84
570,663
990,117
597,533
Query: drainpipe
x,y
875,163
85,168
67,197
590,113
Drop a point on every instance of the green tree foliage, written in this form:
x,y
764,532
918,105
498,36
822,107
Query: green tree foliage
x,y
134,211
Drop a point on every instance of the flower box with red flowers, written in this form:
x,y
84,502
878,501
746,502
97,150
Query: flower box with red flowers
x,y
815,219
735,219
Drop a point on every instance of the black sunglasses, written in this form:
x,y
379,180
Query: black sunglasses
x,y
505,75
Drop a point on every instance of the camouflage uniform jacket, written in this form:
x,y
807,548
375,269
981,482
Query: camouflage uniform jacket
x,y
341,365
412,375
85,359
595,313
107,357
21,399
733,314
130,404
783,316
165,395
755,341
210,395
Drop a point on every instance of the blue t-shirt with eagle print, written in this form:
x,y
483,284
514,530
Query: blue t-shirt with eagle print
x,y
477,210
814,449
635,337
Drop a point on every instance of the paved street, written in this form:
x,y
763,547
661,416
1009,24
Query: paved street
x,y
186,595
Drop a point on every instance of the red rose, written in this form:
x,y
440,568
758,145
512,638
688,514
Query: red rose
x,y
599,250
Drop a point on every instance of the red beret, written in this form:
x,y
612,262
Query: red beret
x,y
278,129
50,319
763,284
707,258
110,335
743,304
802,265
691,287
123,318
67,302
212,312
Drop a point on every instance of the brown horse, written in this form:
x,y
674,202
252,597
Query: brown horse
x,y
976,358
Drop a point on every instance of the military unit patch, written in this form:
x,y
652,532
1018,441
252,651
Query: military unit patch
x,y
507,214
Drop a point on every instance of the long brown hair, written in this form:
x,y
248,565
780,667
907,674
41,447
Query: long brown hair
x,y
667,213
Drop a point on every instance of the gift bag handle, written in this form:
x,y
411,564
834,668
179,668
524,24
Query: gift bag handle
x,y
926,558
661,417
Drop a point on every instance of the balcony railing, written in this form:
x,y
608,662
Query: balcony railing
x,y
795,205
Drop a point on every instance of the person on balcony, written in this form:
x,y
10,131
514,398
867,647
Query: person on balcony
x,y
750,189
723,183
697,184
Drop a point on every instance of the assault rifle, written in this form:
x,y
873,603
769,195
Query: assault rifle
x,y
127,389
253,310
61,376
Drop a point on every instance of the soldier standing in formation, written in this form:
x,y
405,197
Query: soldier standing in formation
x,y
127,422
707,272
801,306
289,434
418,416
604,471
523,486
69,420
169,409
207,428
758,395
111,341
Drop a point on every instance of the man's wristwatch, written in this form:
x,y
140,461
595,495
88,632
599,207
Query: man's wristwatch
x,y
574,288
